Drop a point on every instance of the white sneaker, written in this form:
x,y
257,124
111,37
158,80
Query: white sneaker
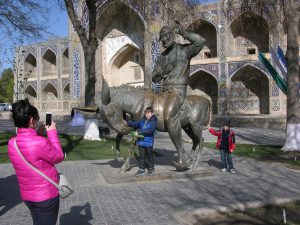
x,y
232,171
223,170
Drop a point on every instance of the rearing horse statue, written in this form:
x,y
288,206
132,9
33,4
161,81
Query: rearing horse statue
x,y
195,115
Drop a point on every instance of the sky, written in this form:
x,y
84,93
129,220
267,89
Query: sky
x,y
57,25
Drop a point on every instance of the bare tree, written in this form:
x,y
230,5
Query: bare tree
x,y
89,44
285,13
18,18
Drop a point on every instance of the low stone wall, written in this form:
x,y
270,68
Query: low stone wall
x,y
260,121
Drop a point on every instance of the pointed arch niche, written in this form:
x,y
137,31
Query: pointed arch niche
x,y
49,63
249,92
49,93
66,92
249,34
30,66
208,31
30,93
207,83
122,36
127,66
65,62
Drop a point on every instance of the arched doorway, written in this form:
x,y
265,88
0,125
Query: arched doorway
x,y
49,63
205,82
208,31
127,67
249,92
250,33
121,30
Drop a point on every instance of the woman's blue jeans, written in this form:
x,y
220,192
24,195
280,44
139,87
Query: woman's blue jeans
x,y
45,212
226,159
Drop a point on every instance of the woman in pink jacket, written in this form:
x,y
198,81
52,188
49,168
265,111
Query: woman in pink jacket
x,y
39,195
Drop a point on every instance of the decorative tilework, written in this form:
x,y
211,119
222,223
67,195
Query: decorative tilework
x,y
211,16
155,51
65,81
139,8
76,73
33,84
53,82
85,16
76,6
223,105
235,66
31,50
45,48
210,68
223,92
154,8
275,105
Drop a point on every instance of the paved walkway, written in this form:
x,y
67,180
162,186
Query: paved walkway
x,y
98,201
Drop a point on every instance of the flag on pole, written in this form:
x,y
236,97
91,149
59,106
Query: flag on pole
x,y
281,57
278,80
276,60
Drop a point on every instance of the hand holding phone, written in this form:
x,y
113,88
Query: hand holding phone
x,y
48,118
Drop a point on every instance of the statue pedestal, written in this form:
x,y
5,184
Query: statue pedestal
x,y
112,175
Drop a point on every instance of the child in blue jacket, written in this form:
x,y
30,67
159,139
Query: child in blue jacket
x,y
146,127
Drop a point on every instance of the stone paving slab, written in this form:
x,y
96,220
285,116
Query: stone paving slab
x,y
95,201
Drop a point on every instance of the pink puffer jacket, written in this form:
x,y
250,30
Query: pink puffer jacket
x,y
40,152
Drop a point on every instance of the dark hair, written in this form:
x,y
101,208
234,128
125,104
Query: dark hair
x,y
22,111
148,109
226,124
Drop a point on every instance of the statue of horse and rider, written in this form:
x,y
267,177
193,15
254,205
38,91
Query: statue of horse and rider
x,y
173,108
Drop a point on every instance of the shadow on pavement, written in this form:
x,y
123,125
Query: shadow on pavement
x,y
9,194
78,215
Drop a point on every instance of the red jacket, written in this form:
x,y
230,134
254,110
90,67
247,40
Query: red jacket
x,y
231,139
40,152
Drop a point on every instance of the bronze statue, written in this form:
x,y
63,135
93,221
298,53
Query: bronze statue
x,y
194,116
172,70
174,110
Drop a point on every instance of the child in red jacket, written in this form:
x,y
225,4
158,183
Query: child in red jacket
x,y
226,144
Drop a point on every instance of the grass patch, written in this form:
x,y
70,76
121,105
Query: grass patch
x,y
265,153
75,146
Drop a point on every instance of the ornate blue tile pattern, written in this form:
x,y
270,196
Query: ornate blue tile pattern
x,y
85,16
76,6
211,16
275,105
155,51
154,8
234,66
32,84
210,68
76,73
53,48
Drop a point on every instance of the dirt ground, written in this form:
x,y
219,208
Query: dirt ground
x,y
269,215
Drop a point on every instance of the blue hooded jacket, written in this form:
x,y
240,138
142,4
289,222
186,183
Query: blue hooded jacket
x,y
147,129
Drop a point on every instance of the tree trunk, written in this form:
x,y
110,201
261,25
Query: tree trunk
x,y
292,142
90,76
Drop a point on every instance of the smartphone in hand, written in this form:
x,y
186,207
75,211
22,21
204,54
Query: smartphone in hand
x,y
48,118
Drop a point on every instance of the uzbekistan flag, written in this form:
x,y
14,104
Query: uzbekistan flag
x,y
277,78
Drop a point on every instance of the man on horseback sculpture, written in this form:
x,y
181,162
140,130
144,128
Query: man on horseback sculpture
x,y
172,69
